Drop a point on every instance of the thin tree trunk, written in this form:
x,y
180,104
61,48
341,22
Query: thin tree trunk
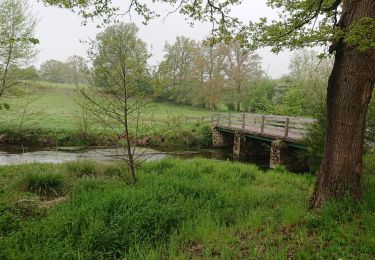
x,y
349,91
238,106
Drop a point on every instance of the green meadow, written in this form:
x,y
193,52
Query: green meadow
x,y
54,116
179,209
55,107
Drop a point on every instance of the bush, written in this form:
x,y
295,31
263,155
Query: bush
x,y
44,184
315,140
204,138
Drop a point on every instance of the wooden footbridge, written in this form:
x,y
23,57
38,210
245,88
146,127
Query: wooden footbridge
x,y
249,132
270,127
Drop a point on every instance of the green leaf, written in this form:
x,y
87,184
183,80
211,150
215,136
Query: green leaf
x,y
34,40
6,106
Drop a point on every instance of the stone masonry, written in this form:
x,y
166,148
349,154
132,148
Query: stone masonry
x,y
219,139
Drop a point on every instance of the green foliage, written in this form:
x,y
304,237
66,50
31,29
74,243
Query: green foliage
x,y
83,168
202,75
369,161
316,136
44,184
186,137
370,122
57,125
17,25
72,71
188,209
86,168
362,34
6,106
259,96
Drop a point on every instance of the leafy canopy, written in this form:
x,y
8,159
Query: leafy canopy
x,y
301,23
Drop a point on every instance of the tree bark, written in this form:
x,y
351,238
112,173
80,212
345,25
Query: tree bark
x,y
349,91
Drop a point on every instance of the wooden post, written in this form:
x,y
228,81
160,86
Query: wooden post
x,y
286,127
229,120
262,125
243,121
202,120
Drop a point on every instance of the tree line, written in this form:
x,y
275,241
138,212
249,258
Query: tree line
x,y
200,74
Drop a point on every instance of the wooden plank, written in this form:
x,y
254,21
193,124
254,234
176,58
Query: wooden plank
x,y
262,125
290,128
286,127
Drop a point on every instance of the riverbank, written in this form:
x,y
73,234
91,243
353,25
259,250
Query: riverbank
x,y
51,116
184,137
179,209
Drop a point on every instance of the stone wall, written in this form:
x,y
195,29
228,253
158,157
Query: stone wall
x,y
221,139
281,154
239,145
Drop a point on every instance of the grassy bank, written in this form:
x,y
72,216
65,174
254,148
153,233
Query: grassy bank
x,y
179,209
53,117
179,137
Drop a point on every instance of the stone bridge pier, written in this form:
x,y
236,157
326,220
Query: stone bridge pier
x,y
282,154
244,147
221,139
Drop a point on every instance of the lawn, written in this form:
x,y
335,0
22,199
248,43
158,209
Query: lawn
x,y
178,210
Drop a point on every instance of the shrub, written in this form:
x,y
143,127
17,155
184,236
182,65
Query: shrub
x,y
315,140
44,184
204,138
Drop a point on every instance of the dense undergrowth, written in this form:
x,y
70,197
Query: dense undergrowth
x,y
179,209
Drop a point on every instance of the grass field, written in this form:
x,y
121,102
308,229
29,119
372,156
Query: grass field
x,y
53,113
194,209
58,110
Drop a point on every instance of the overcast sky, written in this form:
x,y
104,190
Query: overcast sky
x,y
60,32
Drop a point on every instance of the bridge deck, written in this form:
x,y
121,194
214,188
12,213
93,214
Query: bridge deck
x,y
269,132
292,129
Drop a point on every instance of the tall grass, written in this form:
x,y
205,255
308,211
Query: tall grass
x,y
44,184
197,209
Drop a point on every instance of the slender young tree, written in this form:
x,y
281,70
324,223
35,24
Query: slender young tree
x,y
115,96
17,45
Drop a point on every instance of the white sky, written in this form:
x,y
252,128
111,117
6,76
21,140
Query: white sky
x,y
60,32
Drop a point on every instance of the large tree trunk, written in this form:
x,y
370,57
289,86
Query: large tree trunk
x,y
349,91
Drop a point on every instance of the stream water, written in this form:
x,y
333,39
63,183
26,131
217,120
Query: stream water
x,y
17,155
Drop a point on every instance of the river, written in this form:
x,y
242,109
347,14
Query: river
x,y
11,155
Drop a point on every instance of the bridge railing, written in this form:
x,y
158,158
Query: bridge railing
x,y
281,126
